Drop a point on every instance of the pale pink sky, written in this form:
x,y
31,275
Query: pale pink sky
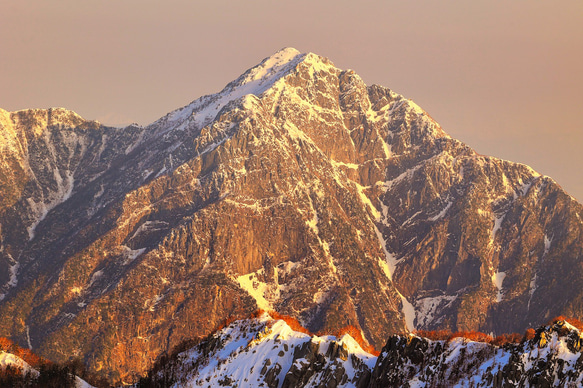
x,y
503,76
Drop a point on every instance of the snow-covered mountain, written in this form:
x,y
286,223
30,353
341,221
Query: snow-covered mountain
x,y
264,352
297,189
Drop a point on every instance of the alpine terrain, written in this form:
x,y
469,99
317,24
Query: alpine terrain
x,y
296,189
265,352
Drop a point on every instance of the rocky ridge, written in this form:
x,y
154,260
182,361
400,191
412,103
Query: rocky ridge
x,y
263,352
297,189
551,358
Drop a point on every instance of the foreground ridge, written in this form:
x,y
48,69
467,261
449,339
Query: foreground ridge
x,y
262,352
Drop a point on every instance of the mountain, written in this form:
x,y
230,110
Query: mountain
x,y
264,352
298,189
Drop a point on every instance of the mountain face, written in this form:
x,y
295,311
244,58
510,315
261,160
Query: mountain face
x,y
297,189
266,353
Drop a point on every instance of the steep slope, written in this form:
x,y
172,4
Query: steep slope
x,y
297,188
482,243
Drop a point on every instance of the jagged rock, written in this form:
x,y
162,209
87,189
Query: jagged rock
x,y
271,376
466,363
335,350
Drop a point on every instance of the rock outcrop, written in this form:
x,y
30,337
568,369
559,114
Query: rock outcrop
x,y
552,358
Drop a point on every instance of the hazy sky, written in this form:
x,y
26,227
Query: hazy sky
x,y
503,76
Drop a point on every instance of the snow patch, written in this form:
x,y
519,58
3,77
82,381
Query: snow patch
x,y
42,208
409,313
427,308
498,279
256,289
212,146
131,254
407,175
388,267
531,291
366,201
80,383
497,224
13,274
151,303
313,223
442,213
410,219
390,263
265,291
386,148
352,166
96,275
297,134
13,281
149,226
28,336
320,297
548,242
9,359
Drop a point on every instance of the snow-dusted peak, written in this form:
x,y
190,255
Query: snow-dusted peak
x,y
32,123
270,65
56,112
256,81
288,52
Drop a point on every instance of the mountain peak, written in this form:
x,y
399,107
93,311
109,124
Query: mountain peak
x,y
284,55
279,64
269,69
255,80
33,123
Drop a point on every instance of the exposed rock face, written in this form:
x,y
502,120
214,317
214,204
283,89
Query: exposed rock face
x,y
552,358
298,189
